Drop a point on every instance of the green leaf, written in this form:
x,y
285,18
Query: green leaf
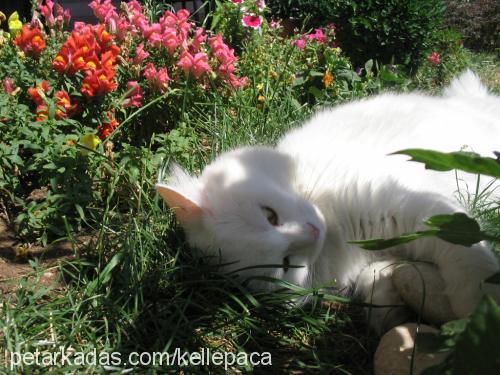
x,y
477,350
314,73
368,66
381,244
457,229
465,161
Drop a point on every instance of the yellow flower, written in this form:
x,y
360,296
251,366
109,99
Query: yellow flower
x,y
327,79
21,252
15,25
260,86
90,141
21,55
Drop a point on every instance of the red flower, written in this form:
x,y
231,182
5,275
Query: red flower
x,y
30,40
36,92
42,113
434,58
88,48
108,127
64,107
98,82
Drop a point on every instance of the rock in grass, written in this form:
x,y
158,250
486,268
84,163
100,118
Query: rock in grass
x,y
408,279
394,352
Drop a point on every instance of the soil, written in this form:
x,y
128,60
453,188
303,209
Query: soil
x,y
15,256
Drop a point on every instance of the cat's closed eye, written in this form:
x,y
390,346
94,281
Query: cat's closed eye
x,y
271,216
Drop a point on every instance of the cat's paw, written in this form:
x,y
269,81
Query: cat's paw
x,y
421,287
464,271
386,309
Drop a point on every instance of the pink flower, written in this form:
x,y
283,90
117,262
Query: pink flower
x,y
8,85
168,19
197,64
157,79
236,1
237,83
134,96
274,24
105,12
162,79
252,20
434,58
260,4
317,35
299,43
134,7
62,16
198,38
170,40
46,11
140,54
221,50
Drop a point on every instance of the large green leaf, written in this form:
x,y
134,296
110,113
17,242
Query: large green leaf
x,y
381,244
465,161
457,228
477,350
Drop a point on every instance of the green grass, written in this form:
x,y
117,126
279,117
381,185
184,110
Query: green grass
x,y
139,287
487,65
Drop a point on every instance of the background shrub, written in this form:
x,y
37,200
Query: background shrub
x,y
477,20
395,31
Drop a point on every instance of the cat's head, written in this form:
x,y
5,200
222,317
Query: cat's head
x,y
242,210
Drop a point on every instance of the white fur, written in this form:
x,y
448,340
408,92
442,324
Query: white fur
x,y
335,174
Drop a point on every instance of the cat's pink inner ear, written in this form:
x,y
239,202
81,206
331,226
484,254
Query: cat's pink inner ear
x,y
185,209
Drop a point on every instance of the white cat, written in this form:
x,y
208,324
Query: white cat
x,y
332,181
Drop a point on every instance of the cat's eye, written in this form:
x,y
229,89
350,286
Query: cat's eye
x,y
271,215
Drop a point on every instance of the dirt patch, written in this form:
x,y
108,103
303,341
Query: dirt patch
x,y
15,256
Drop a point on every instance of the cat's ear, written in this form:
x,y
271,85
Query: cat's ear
x,y
182,194
186,210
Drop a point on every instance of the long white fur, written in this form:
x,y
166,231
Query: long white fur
x,y
335,174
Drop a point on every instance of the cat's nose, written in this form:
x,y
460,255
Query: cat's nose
x,y
314,230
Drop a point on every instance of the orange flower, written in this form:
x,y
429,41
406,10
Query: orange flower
x,y
88,48
42,113
64,107
61,61
36,92
327,79
108,127
98,82
30,41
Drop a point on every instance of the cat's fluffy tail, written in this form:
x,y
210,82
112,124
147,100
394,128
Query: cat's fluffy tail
x,y
467,84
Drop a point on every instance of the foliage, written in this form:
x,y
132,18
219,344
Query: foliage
x,y
122,78
138,286
452,59
471,343
389,31
238,20
457,228
477,20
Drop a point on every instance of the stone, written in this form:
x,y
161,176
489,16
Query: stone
x,y
408,279
394,352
